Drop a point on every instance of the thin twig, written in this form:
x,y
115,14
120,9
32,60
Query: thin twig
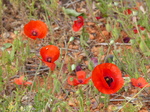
x,y
70,49
37,71
114,100
121,44
68,4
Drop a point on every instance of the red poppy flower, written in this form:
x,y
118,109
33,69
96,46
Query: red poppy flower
x,y
35,29
81,79
21,81
107,78
128,11
98,17
50,54
139,27
127,75
140,82
78,24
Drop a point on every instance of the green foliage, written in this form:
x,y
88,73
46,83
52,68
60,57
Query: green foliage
x,y
6,45
84,38
73,67
116,33
103,7
130,61
5,57
144,46
130,108
1,79
71,12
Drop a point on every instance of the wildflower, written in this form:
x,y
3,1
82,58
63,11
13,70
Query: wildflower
x,y
50,54
95,61
78,68
126,39
21,81
81,79
35,29
135,30
98,17
107,78
78,24
140,82
128,11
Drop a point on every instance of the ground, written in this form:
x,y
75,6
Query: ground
x,y
100,38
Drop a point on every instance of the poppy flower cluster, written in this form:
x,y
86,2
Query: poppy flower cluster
x,y
35,29
21,81
50,54
140,82
107,78
81,79
128,11
78,24
135,30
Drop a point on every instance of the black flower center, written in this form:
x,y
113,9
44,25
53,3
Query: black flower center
x,y
34,33
49,59
139,84
80,81
109,80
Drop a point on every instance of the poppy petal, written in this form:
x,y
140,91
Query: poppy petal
x,y
128,11
35,29
107,78
78,24
81,75
27,83
50,65
19,81
140,82
74,82
50,51
86,80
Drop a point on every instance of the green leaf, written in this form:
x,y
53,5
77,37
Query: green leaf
x,y
116,33
72,12
108,27
73,66
27,49
1,71
5,57
147,53
143,46
90,66
12,53
83,42
71,39
7,45
1,79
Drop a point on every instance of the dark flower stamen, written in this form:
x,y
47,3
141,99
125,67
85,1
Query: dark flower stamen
x,y
34,33
49,59
109,80
139,84
80,81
